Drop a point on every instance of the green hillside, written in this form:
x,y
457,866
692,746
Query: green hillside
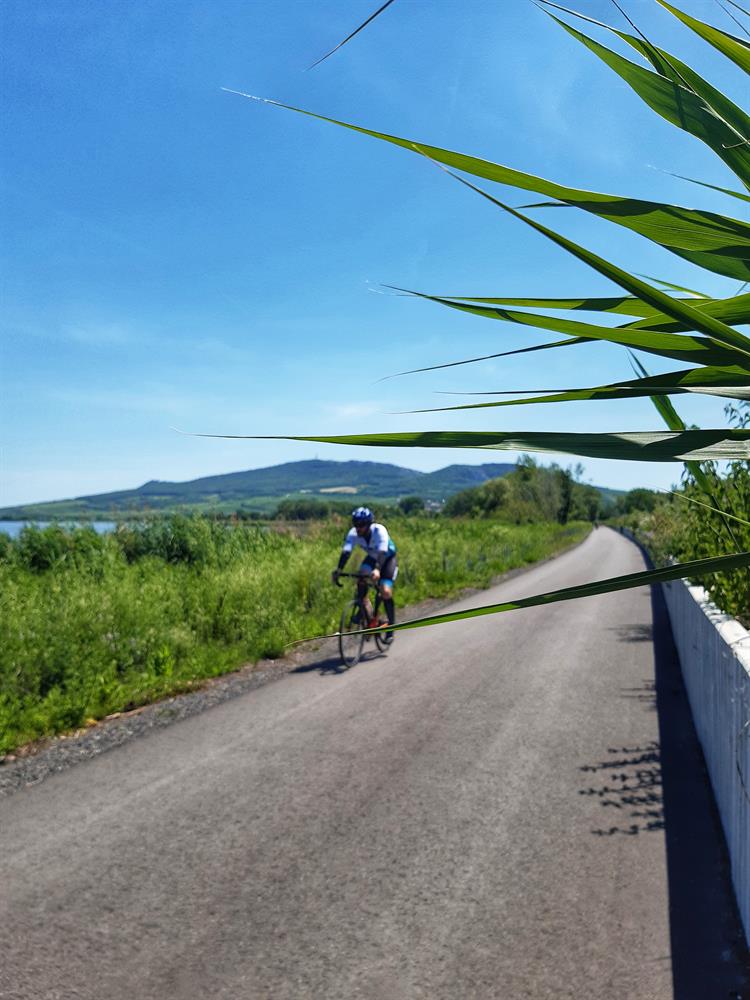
x,y
261,489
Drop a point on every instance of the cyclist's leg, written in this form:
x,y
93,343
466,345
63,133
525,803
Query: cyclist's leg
x,y
363,584
387,579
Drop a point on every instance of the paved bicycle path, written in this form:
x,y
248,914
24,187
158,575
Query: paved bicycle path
x,y
495,809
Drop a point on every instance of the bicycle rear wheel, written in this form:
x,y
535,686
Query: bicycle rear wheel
x,y
385,639
351,640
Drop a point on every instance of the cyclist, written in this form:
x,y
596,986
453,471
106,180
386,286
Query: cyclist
x,y
380,562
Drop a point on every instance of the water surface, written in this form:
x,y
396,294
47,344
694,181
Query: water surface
x,y
14,528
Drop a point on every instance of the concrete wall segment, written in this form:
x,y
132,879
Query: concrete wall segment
x,y
714,652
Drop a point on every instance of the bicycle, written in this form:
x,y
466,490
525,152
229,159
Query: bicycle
x,y
352,632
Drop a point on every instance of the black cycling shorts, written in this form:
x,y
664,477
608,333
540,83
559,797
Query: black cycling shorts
x,y
388,571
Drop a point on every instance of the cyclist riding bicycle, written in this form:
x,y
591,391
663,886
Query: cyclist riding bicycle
x,y
380,562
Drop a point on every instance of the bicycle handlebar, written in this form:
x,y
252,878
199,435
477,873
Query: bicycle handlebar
x,y
357,576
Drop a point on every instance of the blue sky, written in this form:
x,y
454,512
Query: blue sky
x,y
177,256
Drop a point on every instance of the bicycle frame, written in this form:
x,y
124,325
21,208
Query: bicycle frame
x,y
353,631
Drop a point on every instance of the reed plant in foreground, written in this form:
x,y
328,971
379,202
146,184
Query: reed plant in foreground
x,y
662,319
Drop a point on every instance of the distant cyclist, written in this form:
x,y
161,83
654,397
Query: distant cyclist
x,y
380,562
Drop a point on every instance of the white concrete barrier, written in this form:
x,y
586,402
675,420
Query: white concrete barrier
x,y
714,652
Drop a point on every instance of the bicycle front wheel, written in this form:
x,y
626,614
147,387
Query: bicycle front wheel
x,y
351,639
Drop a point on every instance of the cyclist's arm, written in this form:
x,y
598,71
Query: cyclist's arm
x,y
342,562
383,549
346,549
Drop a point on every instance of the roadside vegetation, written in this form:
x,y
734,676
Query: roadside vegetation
x,y
681,526
529,493
95,624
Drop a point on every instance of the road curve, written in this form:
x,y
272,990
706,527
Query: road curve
x,y
497,809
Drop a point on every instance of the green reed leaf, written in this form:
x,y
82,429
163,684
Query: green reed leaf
x,y
725,444
731,383
676,308
713,187
674,421
697,568
716,242
677,104
680,347
352,34
736,49
628,305
681,75
488,357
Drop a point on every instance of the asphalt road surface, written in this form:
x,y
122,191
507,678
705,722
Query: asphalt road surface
x,y
510,807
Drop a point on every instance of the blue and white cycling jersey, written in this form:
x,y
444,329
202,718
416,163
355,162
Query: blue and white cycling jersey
x,y
379,547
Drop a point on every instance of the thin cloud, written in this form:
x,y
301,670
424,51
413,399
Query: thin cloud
x,y
355,411
102,336
152,399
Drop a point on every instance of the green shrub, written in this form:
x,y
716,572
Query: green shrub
x,y
302,509
411,505
6,546
682,527
41,549
530,494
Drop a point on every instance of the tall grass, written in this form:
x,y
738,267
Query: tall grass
x,y
98,624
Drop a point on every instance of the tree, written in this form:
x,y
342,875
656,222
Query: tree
x,y
411,505
566,495
638,499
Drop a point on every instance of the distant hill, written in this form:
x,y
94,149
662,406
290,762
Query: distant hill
x,y
261,489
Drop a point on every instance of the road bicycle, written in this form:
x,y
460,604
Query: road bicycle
x,y
354,622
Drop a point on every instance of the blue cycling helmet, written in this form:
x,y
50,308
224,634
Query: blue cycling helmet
x,y
362,515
